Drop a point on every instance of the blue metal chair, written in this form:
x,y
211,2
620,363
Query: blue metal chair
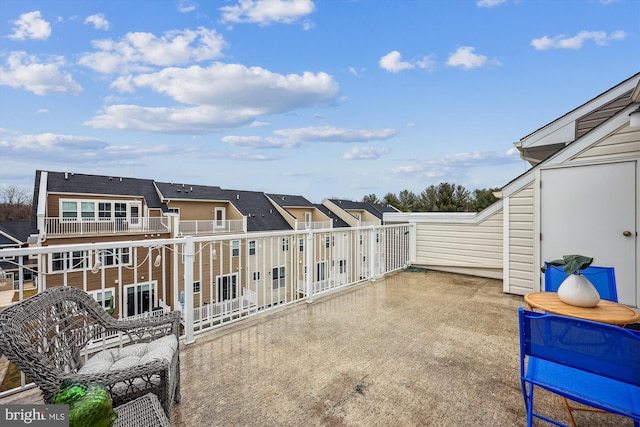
x,y
603,278
604,378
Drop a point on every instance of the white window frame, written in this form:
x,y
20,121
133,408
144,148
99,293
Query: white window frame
x,y
100,295
235,248
252,247
278,277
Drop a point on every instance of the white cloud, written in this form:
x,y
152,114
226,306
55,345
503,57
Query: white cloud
x,y
43,111
138,51
364,153
334,134
392,62
259,142
458,161
31,26
265,12
66,149
490,3
24,71
294,137
600,38
98,20
221,96
186,6
465,58
427,63
176,120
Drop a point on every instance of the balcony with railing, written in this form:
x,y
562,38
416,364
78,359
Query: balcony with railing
x,y
314,225
55,226
209,227
362,346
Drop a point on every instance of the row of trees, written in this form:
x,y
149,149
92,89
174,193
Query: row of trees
x,y
443,197
15,204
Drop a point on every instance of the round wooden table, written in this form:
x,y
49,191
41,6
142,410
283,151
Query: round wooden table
x,y
605,312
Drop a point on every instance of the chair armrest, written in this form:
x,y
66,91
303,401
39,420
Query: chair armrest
x,y
149,327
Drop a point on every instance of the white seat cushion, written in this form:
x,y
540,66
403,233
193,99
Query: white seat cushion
x,y
131,355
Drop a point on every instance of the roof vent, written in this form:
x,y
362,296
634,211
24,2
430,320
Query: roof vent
x,y
237,197
120,179
190,188
66,175
178,190
270,211
182,185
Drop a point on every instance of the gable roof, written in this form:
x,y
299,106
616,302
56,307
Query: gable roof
x,y
14,233
376,209
554,136
254,205
261,214
336,220
621,118
72,183
289,201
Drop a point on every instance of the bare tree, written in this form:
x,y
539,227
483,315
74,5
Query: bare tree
x,y
15,204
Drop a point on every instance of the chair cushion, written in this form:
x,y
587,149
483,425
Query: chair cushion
x,y
131,355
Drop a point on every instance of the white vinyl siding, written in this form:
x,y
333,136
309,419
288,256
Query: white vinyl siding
x,y
521,240
624,142
461,246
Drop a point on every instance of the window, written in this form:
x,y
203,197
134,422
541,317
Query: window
x,y
103,297
235,247
227,287
69,211
321,271
361,239
327,242
256,276
278,277
88,211
116,256
343,266
196,287
252,247
76,260
120,210
285,244
301,245
104,211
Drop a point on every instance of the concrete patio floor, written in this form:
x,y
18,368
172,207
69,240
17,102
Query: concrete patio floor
x,y
413,349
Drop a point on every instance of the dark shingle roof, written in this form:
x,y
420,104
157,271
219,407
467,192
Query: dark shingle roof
x,y
376,209
18,230
190,192
66,182
287,200
336,220
261,214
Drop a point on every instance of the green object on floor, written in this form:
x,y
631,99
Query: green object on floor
x,y
89,404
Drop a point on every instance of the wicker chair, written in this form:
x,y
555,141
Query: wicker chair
x,y
46,336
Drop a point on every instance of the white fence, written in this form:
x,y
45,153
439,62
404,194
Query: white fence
x,y
200,227
56,226
228,277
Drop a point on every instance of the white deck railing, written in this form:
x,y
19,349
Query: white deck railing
x,y
316,225
234,276
201,227
57,226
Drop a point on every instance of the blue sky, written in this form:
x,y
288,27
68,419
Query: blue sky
x,y
319,98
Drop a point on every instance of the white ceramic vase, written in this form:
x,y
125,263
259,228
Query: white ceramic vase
x,y
579,291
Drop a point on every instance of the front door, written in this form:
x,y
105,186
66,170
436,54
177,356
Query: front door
x,y
591,210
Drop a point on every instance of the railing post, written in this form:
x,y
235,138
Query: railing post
x,y
372,255
188,289
309,263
